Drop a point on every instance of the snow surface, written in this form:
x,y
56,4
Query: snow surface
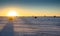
x,y
30,26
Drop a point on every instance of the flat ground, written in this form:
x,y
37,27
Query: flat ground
x,y
30,26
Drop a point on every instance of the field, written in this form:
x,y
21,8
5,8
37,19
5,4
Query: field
x,y
30,26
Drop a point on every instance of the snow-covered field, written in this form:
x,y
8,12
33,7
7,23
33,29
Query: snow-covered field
x,y
30,26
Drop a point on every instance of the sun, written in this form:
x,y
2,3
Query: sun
x,y
12,13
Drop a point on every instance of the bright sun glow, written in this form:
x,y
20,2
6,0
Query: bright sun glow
x,y
12,13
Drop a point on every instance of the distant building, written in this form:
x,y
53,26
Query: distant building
x,y
35,17
54,16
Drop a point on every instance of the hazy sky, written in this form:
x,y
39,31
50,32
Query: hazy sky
x,y
31,7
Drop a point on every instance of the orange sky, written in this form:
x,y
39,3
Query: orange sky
x,y
28,12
